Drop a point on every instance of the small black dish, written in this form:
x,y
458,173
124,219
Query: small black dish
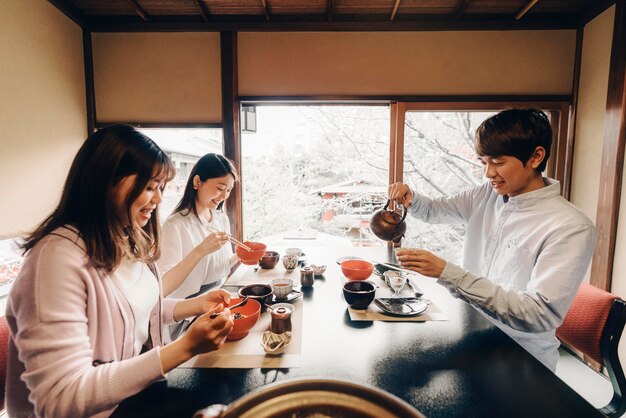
x,y
261,292
294,294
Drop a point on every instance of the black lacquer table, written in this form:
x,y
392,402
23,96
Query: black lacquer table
x,y
463,367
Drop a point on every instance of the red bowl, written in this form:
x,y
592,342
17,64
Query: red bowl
x,y
251,257
251,312
357,269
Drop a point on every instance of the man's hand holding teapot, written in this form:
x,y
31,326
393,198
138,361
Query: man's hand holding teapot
x,y
401,193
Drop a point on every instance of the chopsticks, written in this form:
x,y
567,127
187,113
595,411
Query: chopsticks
x,y
233,240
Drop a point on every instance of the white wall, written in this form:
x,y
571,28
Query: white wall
x,y
592,94
42,111
157,77
471,62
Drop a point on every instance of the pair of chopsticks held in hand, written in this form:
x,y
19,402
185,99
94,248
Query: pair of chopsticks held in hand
x,y
215,314
233,240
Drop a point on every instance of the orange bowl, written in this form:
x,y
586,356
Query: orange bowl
x,y
250,312
251,257
357,269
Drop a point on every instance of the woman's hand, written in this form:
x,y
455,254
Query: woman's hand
x,y
206,333
213,242
200,304
210,299
401,193
422,261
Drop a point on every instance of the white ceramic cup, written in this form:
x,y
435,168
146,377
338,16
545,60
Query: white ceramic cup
x,y
282,287
294,251
290,261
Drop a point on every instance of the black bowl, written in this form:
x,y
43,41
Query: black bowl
x,y
261,292
359,294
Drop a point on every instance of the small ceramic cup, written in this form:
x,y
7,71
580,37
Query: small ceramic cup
x,y
282,287
294,251
269,260
290,261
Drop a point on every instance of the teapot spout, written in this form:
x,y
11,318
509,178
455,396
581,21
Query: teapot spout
x,y
397,239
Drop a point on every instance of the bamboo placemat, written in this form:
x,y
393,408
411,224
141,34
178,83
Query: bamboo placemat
x,y
248,353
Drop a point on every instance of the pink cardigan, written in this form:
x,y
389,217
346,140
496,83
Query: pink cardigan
x,y
71,345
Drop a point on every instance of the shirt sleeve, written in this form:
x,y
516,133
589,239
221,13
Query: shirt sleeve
x,y
447,209
49,309
556,276
171,246
228,247
168,310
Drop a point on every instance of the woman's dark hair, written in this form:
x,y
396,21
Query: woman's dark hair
x,y
210,166
515,132
87,202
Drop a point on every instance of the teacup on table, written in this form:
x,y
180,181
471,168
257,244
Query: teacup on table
x,y
282,287
290,261
294,251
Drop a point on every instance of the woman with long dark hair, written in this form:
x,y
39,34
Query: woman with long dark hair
x,y
195,255
86,310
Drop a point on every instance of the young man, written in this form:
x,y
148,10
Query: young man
x,y
526,248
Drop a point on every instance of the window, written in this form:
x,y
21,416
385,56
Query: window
x,y
10,264
439,160
315,171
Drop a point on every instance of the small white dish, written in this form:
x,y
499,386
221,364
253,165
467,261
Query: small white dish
x,y
275,344
318,270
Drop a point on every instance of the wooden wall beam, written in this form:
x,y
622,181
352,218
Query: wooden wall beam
x,y
70,10
266,9
461,8
329,12
230,125
90,92
202,9
612,156
566,186
139,10
525,9
395,10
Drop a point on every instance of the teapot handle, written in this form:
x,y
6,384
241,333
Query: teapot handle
x,y
404,210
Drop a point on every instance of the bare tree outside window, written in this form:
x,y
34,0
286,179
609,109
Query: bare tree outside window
x,y
315,169
439,160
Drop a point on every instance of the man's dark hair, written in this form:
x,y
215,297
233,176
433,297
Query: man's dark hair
x,y
515,132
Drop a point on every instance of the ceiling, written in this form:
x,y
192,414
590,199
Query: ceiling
x,y
361,15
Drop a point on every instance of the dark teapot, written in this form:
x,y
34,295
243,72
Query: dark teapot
x,y
388,225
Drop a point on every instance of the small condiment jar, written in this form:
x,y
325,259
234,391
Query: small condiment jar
x,y
281,317
306,277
